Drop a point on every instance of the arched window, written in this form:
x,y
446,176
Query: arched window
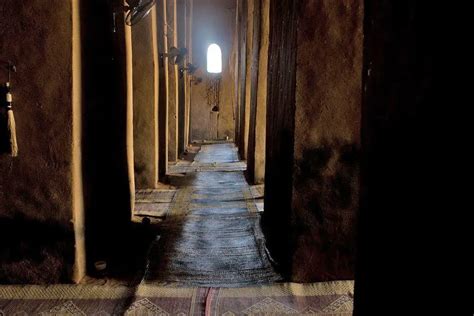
x,y
214,59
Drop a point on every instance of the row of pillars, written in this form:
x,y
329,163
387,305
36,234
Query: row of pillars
x,y
161,101
276,86
333,104
252,36
131,116
161,132
170,25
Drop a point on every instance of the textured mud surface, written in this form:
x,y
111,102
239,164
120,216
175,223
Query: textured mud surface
x,y
312,167
327,139
36,187
144,117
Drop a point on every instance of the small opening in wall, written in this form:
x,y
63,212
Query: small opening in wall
x,y
214,59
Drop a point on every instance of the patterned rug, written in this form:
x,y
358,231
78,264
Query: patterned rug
x,y
329,298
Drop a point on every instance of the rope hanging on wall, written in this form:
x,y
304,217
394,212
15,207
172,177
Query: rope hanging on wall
x,y
8,142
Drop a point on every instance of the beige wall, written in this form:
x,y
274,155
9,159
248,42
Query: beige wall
x,y
144,105
78,193
257,91
213,22
172,40
260,128
189,59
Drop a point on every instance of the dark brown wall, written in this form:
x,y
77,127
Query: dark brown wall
x,y
242,34
315,148
106,160
280,130
327,138
213,22
36,233
162,92
403,166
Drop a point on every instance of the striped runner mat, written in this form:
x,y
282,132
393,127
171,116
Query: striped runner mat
x,y
328,298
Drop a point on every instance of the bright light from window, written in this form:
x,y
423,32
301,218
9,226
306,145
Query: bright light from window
x,y
214,59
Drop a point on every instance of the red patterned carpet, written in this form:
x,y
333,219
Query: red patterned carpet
x,y
329,298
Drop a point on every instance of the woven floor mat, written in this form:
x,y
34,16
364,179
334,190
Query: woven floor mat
x,y
155,196
328,298
153,202
212,236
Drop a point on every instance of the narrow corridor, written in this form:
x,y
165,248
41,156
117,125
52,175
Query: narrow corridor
x,y
212,235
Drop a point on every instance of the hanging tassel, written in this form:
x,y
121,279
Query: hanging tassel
x,y
11,125
12,133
